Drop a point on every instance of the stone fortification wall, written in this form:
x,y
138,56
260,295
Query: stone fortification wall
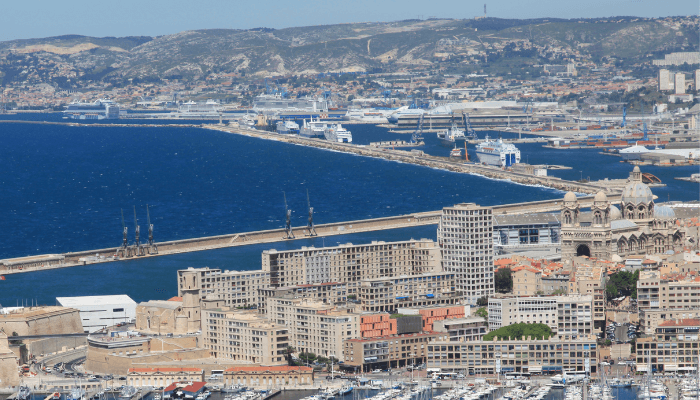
x,y
41,347
42,321
156,350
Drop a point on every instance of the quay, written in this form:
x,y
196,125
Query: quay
x,y
97,124
65,260
396,143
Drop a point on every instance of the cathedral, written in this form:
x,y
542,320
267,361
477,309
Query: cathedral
x,y
637,227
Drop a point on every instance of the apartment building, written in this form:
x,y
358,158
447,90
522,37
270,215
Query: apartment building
x,y
650,319
329,292
376,325
350,264
672,348
527,281
223,288
390,293
244,336
469,329
565,315
314,326
657,291
465,235
553,355
394,351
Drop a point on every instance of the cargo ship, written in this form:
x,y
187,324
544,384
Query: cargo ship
x,y
497,153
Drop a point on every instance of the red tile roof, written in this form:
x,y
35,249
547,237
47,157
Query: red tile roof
x,y
285,368
165,370
192,388
681,322
175,298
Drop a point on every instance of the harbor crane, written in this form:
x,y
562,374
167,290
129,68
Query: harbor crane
x,y
288,234
469,132
152,247
418,134
138,250
310,225
124,248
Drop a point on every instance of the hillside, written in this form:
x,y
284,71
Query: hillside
x,y
453,44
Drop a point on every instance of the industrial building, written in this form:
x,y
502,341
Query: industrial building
x,y
99,312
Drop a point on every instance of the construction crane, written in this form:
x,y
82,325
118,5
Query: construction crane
x,y
152,247
288,234
310,224
469,132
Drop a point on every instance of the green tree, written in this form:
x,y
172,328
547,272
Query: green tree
x,y
307,357
504,280
482,301
482,312
625,283
611,291
520,331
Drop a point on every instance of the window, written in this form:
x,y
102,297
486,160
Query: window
x,y
118,310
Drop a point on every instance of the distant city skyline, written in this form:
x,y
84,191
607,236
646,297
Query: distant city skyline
x,y
44,18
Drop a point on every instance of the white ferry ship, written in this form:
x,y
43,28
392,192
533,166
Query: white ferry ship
x,y
497,153
287,127
313,129
336,133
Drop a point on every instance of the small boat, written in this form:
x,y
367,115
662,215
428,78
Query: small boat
x,y
24,393
156,396
456,153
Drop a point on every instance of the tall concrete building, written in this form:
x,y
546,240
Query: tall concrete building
x,y
465,235
697,80
665,80
680,83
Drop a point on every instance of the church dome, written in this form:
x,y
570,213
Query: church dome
x,y
615,213
664,212
636,169
570,197
637,193
600,197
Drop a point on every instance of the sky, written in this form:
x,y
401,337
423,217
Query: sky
x,y
26,19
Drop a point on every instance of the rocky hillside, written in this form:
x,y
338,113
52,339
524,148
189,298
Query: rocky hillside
x,y
69,60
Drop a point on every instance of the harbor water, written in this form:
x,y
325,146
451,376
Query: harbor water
x,y
64,188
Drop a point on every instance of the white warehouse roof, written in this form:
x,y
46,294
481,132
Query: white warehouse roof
x,y
77,302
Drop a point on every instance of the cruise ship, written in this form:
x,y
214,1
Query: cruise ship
x,y
497,153
99,109
336,133
191,109
369,115
313,129
277,103
287,127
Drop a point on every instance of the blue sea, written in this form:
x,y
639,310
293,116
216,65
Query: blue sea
x,y
63,189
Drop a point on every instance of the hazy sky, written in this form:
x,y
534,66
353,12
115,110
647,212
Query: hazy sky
x,y
22,19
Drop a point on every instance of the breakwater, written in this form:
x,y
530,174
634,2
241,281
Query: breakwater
x,y
419,158
53,261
